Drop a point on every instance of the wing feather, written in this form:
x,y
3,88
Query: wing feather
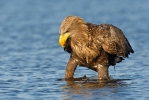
x,y
113,40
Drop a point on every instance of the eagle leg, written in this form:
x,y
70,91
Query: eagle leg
x,y
70,69
103,73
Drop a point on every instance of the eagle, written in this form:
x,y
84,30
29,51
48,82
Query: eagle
x,y
93,46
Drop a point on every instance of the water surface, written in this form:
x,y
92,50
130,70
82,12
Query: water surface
x,y
32,64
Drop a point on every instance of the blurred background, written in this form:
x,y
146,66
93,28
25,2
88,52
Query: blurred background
x,y
32,62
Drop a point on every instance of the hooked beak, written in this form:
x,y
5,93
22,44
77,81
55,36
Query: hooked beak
x,y
63,38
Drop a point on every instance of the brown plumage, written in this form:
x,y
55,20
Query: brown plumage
x,y
93,46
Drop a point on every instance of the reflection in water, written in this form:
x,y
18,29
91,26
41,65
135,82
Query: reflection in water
x,y
85,88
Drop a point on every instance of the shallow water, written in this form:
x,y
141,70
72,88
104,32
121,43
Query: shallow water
x,y
32,64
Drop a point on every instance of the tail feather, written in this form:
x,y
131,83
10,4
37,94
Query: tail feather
x,y
118,59
115,59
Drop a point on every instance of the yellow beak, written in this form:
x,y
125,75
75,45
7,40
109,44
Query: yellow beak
x,y
63,38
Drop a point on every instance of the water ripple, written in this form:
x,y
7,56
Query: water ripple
x,y
32,63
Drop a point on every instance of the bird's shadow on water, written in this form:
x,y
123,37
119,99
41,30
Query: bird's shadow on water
x,y
91,87
92,83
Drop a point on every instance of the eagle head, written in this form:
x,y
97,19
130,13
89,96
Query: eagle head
x,y
70,26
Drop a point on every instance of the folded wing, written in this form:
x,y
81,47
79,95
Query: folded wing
x,y
113,40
